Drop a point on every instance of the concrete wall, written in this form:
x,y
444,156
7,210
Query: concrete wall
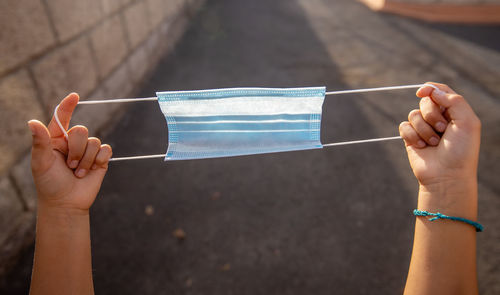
x,y
48,48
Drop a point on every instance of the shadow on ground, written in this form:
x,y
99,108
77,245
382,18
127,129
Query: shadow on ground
x,y
486,36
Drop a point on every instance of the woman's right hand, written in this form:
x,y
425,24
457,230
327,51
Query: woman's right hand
x,y
442,137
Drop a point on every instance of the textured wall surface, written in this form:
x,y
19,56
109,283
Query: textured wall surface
x,y
48,48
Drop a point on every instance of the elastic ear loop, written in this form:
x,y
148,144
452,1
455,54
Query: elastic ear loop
x,y
122,100
433,86
59,122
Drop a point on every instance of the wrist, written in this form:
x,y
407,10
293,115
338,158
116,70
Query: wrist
x,y
450,187
456,197
60,216
58,226
68,205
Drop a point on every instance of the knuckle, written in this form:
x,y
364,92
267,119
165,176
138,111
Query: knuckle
x,y
109,154
80,130
430,117
456,98
424,100
413,114
427,135
104,151
405,130
403,134
107,148
100,160
403,125
426,104
94,141
103,157
421,103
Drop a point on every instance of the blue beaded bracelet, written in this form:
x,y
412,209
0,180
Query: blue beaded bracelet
x,y
416,212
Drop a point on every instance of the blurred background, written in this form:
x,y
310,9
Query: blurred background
x,y
336,220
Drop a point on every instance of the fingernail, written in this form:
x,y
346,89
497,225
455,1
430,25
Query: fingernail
x,y
31,128
434,140
430,85
420,143
73,164
81,172
440,126
94,167
438,93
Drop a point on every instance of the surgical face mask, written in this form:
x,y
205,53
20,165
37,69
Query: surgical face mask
x,y
241,121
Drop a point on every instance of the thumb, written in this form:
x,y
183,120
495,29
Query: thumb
x,y
455,104
41,151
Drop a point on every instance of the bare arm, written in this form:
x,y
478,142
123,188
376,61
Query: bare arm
x,y
444,252
67,175
62,262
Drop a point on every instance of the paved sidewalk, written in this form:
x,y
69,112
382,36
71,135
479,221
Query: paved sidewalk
x,y
336,220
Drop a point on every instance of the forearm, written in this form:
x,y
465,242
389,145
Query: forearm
x,y
62,263
444,251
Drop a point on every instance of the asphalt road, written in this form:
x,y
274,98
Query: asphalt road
x,y
331,221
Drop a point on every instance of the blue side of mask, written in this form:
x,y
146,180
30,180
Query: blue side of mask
x,y
241,121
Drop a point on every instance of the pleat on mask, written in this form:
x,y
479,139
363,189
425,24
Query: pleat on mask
x,y
241,121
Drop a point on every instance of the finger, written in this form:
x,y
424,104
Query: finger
x,y
423,129
429,87
103,156
93,146
77,143
456,106
64,113
410,136
41,151
432,114
60,144
446,114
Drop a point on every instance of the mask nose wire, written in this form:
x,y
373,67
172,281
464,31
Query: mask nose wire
x,y
154,98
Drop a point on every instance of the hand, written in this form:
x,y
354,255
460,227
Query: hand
x,y
67,173
442,137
